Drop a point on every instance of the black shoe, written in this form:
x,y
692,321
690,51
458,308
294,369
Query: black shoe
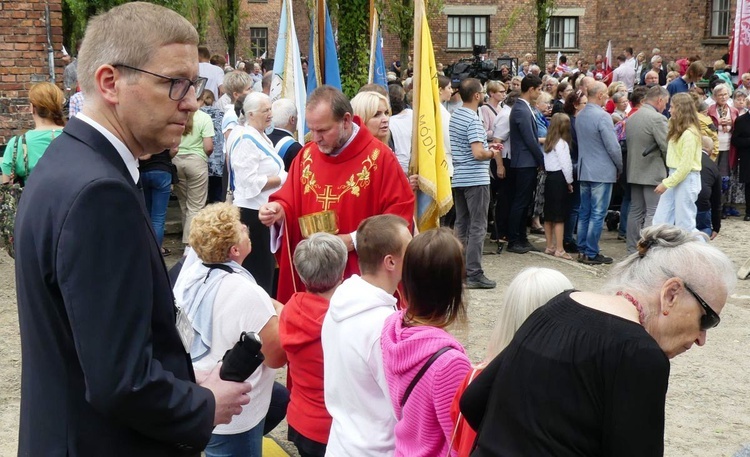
x,y
518,248
500,247
571,248
621,238
598,260
530,246
480,282
747,218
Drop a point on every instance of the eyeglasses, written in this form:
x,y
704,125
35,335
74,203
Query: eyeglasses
x,y
710,319
179,87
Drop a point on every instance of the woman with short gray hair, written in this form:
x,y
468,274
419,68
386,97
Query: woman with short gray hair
x,y
320,262
600,361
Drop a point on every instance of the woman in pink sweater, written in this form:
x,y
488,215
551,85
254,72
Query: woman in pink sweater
x,y
424,364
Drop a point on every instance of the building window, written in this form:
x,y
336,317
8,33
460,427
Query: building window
x,y
720,18
562,33
258,41
464,32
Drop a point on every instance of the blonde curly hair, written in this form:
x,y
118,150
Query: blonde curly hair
x,y
214,230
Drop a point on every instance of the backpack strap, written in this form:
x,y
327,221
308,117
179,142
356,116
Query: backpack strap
x,y
20,145
216,266
421,373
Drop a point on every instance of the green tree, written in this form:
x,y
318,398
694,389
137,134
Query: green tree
x,y
544,10
76,14
354,44
504,33
228,16
397,18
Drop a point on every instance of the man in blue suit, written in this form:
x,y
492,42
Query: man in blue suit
x,y
599,165
105,370
525,159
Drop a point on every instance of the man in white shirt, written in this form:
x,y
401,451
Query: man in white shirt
x,y
356,391
212,73
625,72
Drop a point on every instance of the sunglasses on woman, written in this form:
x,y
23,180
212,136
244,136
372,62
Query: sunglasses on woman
x,y
710,319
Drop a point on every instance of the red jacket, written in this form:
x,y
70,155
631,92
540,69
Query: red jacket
x,y
299,329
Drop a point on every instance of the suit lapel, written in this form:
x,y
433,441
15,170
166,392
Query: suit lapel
x,y
88,135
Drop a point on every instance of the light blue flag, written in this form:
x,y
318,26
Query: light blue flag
x,y
379,76
330,74
287,69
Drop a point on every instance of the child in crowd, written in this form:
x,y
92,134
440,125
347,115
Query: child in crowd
x,y
530,289
558,185
681,188
708,219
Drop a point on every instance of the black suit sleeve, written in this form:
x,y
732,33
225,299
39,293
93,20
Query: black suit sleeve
x,y
526,130
741,133
106,281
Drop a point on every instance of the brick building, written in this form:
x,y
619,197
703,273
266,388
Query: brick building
x,y
578,28
24,59
582,28
259,29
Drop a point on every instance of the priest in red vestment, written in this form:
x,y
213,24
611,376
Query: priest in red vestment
x,y
344,169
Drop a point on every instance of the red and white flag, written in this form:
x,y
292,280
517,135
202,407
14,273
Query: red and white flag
x,y
741,38
608,57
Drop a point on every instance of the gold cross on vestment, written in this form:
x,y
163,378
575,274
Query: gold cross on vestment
x,y
327,198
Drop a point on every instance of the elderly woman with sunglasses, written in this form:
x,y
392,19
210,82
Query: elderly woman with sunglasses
x,y
587,373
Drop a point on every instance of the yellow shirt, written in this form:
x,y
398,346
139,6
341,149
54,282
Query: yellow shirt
x,y
684,155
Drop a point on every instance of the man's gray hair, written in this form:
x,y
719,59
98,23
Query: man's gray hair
x,y
236,81
320,261
283,110
656,92
129,34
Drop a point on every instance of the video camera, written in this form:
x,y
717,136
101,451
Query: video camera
x,y
473,67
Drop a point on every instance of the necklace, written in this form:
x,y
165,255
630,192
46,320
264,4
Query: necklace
x,y
634,302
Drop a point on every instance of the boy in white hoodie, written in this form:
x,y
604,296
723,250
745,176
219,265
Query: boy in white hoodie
x,y
356,391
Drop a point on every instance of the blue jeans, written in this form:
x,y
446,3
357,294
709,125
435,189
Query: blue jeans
x,y
595,198
245,444
572,221
677,205
157,186
703,222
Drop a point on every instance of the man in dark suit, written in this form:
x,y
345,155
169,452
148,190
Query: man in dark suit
x,y
525,159
104,369
285,124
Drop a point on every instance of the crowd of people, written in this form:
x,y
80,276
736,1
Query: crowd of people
x,y
311,244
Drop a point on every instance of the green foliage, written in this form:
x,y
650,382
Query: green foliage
x,y
397,17
510,23
354,44
228,16
76,14
544,10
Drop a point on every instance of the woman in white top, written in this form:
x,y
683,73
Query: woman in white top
x,y
221,300
558,185
258,171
